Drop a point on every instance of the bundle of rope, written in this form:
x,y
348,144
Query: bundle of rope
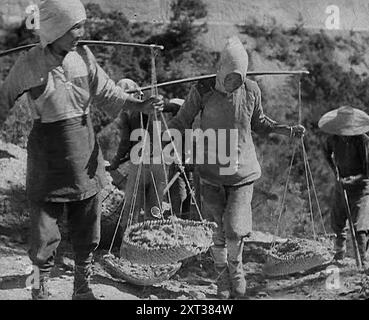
x,y
298,255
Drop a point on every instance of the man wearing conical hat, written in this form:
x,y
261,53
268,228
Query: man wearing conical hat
x,y
65,168
347,152
233,102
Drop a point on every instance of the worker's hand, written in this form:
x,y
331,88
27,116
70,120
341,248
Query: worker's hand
x,y
173,105
116,162
113,165
107,165
154,103
297,131
349,181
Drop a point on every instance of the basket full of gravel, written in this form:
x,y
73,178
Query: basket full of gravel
x,y
295,255
166,241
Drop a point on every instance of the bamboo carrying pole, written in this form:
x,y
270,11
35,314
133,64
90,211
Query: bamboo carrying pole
x,y
89,43
153,46
211,76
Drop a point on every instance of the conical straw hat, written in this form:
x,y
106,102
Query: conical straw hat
x,y
345,121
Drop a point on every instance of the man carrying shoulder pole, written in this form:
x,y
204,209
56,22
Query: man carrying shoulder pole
x,y
347,152
65,167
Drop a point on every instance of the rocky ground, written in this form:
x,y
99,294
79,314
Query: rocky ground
x,y
193,281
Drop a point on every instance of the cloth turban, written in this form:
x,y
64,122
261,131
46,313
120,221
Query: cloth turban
x,y
57,17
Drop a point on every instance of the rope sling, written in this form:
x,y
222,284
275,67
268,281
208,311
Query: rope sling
x,y
165,241
121,268
297,255
138,263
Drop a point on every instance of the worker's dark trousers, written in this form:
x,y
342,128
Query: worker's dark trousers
x,y
83,224
358,198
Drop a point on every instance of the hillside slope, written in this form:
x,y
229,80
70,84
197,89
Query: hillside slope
x,y
224,14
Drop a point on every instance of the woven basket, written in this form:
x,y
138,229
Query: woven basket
x,y
180,239
138,274
309,255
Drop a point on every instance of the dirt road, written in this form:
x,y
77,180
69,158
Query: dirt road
x,y
195,280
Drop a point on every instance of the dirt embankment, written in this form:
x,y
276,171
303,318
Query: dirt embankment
x,y
13,204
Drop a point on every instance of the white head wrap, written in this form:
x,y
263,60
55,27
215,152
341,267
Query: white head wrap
x,y
57,17
233,58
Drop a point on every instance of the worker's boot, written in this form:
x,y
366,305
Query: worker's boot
x,y
219,254
235,267
362,242
82,290
340,248
40,290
